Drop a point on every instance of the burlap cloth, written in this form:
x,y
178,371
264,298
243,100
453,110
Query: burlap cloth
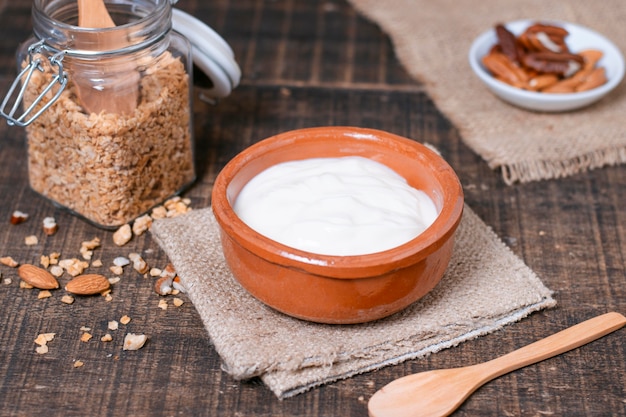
x,y
432,40
486,287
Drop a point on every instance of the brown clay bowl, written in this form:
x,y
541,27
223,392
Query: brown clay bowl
x,y
339,289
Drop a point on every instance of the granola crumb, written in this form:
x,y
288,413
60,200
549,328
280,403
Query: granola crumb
x,y
113,325
44,294
67,299
159,212
31,240
97,263
42,342
86,337
134,341
114,280
44,261
7,281
125,319
8,261
43,338
121,261
87,248
138,263
25,285
178,302
106,338
78,363
56,270
73,266
116,269
54,258
42,350
122,235
163,304
141,224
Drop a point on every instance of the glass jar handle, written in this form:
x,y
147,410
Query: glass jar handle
x,y
27,117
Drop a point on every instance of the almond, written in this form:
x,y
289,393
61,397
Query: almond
x,y
88,284
37,277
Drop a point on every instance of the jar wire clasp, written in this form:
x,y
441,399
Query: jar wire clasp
x,y
13,101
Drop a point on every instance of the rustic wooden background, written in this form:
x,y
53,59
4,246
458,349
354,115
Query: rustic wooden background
x,y
305,63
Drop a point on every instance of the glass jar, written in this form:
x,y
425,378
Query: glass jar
x,y
107,111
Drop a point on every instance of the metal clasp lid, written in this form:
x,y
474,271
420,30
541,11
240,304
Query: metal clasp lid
x,y
24,77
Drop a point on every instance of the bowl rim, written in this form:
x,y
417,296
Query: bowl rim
x,y
476,65
344,267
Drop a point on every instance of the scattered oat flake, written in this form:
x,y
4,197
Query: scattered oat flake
x,y
125,319
97,263
44,294
178,302
134,341
114,280
113,325
106,338
85,329
31,240
86,337
163,304
8,261
7,281
67,299
78,364
155,272
108,298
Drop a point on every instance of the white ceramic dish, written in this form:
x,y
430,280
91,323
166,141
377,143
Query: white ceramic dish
x,y
579,38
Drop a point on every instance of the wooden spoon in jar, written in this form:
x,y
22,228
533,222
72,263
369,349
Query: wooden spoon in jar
x,y
438,393
116,94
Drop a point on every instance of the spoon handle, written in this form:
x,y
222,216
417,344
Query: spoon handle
x,y
558,343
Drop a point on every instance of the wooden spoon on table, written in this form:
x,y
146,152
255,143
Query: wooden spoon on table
x,y
115,94
438,393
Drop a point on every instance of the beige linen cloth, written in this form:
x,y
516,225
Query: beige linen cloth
x,y
485,287
432,39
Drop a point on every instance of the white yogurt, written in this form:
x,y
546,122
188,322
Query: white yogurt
x,y
335,206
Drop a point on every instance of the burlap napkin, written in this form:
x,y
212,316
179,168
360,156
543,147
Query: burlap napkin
x,y
432,40
486,287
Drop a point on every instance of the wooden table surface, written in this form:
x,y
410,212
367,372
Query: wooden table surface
x,y
305,63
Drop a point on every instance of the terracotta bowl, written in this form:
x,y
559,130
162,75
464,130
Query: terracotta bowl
x,y
339,289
